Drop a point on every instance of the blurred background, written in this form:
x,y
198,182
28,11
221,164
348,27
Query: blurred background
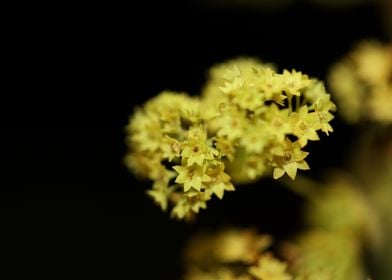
x,y
69,206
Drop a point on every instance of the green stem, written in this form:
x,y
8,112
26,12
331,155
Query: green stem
x,y
289,100
297,102
302,186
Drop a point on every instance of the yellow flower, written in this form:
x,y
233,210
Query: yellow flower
x,y
182,209
160,196
246,168
362,83
150,137
232,126
251,140
195,153
144,164
231,86
236,131
294,82
277,119
191,176
380,106
322,105
374,62
189,204
170,148
304,125
272,85
160,173
192,112
198,203
254,166
347,91
227,246
219,181
197,148
260,108
290,161
225,147
324,118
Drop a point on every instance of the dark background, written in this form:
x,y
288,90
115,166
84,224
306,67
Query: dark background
x,y
68,205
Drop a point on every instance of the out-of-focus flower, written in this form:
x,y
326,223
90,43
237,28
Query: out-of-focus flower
x,y
375,147
362,83
342,222
233,254
271,268
326,255
227,246
342,207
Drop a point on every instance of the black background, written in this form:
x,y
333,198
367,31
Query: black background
x,y
68,205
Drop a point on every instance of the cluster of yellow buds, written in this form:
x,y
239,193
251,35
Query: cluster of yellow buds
x,y
362,83
249,121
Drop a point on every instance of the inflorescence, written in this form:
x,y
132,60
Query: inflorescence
x,y
362,83
250,121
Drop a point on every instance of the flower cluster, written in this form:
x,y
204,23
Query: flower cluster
x,y
170,146
233,254
265,119
249,121
362,83
243,254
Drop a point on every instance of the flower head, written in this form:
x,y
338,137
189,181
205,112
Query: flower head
x,y
238,131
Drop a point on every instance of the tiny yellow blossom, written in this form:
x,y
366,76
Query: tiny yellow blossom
x,y
226,147
160,196
272,84
219,181
189,204
191,176
279,126
170,148
305,125
290,161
